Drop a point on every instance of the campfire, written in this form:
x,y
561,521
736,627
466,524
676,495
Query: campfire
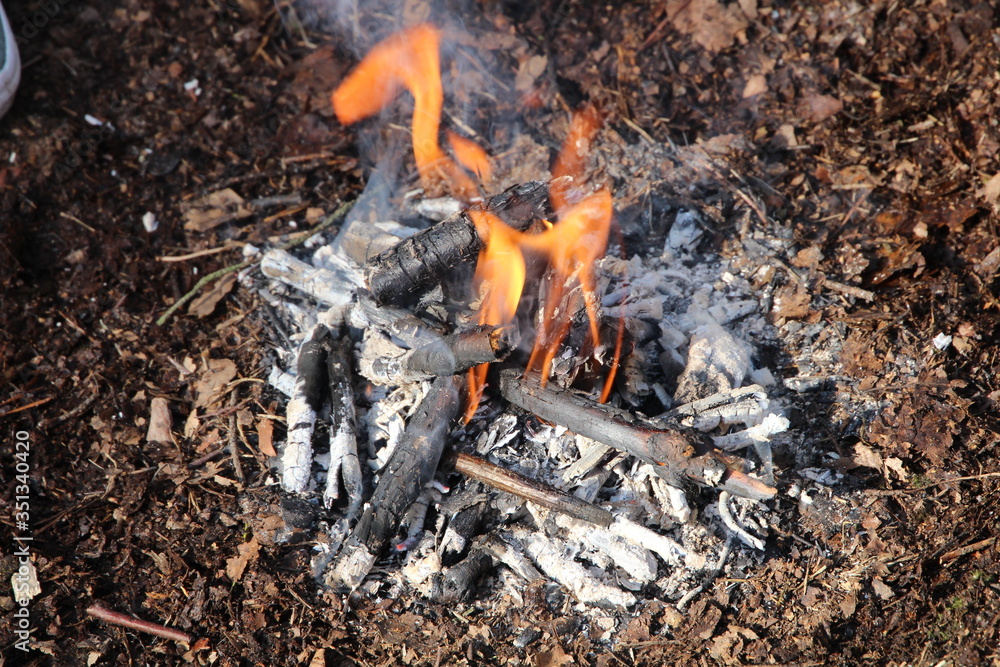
x,y
496,370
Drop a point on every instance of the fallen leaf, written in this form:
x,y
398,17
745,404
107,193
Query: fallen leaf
x,y
214,209
529,71
213,381
265,437
554,658
711,24
848,605
991,191
247,553
205,304
866,457
882,590
818,108
755,85
160,422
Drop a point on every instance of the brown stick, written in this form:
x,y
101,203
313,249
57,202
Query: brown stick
x,y
423,260
676,453
529,489
133,623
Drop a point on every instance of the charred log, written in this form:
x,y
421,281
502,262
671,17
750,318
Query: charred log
x,y
344,463
410,467
446,355
677,453
306,401
423,260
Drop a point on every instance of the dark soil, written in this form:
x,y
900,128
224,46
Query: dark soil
x,y
872,137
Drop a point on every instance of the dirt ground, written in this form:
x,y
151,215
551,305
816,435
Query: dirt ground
x,y
871,137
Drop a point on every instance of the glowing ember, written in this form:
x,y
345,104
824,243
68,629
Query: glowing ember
x,y
409,59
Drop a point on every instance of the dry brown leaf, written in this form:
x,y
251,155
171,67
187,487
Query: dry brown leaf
x,y
818,108
214,209
991,191
882,590
709,23
247,553
529,71
867,457
554,658
213,381
808,258
792,301
206,302
160,422
755,85
265,437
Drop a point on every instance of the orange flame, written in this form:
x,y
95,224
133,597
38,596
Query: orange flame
x,y
408,59
572,159
470,155
572,246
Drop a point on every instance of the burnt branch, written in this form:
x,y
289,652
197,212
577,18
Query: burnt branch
x,y
676,453
410,467
306,401
423,260
446,355
344,463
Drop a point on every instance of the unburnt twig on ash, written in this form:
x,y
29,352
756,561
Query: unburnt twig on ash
x,y
676,454
410,468
423,260
557,500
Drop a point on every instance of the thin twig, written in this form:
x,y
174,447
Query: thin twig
x,y
943,482
33,404
116,618
332,219
234,450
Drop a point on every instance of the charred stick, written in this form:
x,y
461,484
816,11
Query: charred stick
x,y
400,323
557,500
409,468
133,623
676,453
344,463
421,261
305,403
446,355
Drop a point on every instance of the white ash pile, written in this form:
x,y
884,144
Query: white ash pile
x,y
622,527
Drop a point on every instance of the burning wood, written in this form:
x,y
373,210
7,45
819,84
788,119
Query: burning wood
x,y
404,349
678,453
423,260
